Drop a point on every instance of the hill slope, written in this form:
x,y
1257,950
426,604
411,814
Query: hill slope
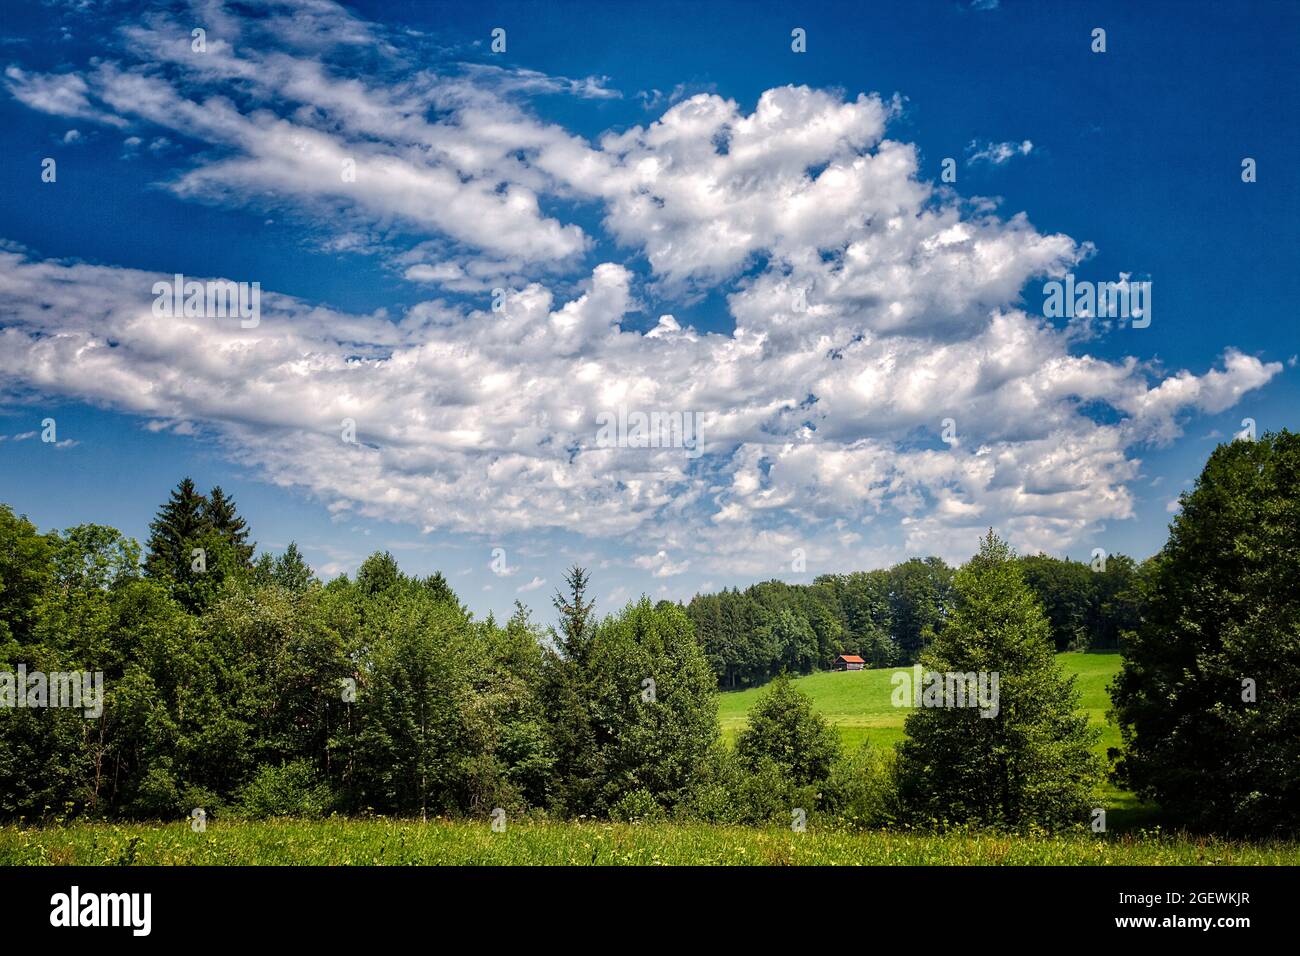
x,y
858,704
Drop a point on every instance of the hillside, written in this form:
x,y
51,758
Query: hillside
x,y
858,704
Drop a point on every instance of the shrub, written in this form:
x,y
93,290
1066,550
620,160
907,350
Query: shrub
x,y
637,806
862,792
784,729
292,789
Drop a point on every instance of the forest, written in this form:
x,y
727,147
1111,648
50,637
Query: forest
x,y
890,616
236,683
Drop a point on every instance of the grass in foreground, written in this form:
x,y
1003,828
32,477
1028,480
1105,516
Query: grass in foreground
x,y
375,842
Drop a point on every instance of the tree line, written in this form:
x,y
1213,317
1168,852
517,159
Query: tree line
x,y
889,616
241,684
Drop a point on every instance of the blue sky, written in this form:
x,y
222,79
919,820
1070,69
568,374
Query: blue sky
x,y
617,164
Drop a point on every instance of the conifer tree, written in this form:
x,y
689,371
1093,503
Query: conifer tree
x,y
180,522
1029,762
437,584
224,518
575,613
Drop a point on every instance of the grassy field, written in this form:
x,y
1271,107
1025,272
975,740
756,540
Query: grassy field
x,y
858,704
380,842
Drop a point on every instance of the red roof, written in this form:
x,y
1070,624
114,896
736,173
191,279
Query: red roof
x,y
851,659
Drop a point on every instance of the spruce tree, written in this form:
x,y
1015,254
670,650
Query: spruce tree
x,y
567,694
437,585
575,613
1029,764
180,522
224,518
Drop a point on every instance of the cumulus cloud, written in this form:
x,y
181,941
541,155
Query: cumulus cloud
x,y
868,307
483,423
660,564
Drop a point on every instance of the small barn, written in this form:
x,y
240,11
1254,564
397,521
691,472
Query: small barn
x,y
849,662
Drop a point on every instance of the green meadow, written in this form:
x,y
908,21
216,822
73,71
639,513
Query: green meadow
x,y
858,704
366,842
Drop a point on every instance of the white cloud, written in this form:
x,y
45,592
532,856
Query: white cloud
x,y
704,187
995,154
661,565
60,94
457,431
882,307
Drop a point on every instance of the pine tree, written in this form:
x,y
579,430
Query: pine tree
x,y
575,614
1030,762
179,523
223,517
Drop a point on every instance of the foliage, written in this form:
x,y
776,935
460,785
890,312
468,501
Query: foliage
x,y
1206,698
784,728
292,789
632,705
243,685
1087,607
862,792
1028,765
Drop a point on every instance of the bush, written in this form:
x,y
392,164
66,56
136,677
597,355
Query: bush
x,y
158,795
862,792
290,790
768,795
637,806
761,793
784,729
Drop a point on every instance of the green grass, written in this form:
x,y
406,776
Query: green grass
x,y
858,704
386,842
